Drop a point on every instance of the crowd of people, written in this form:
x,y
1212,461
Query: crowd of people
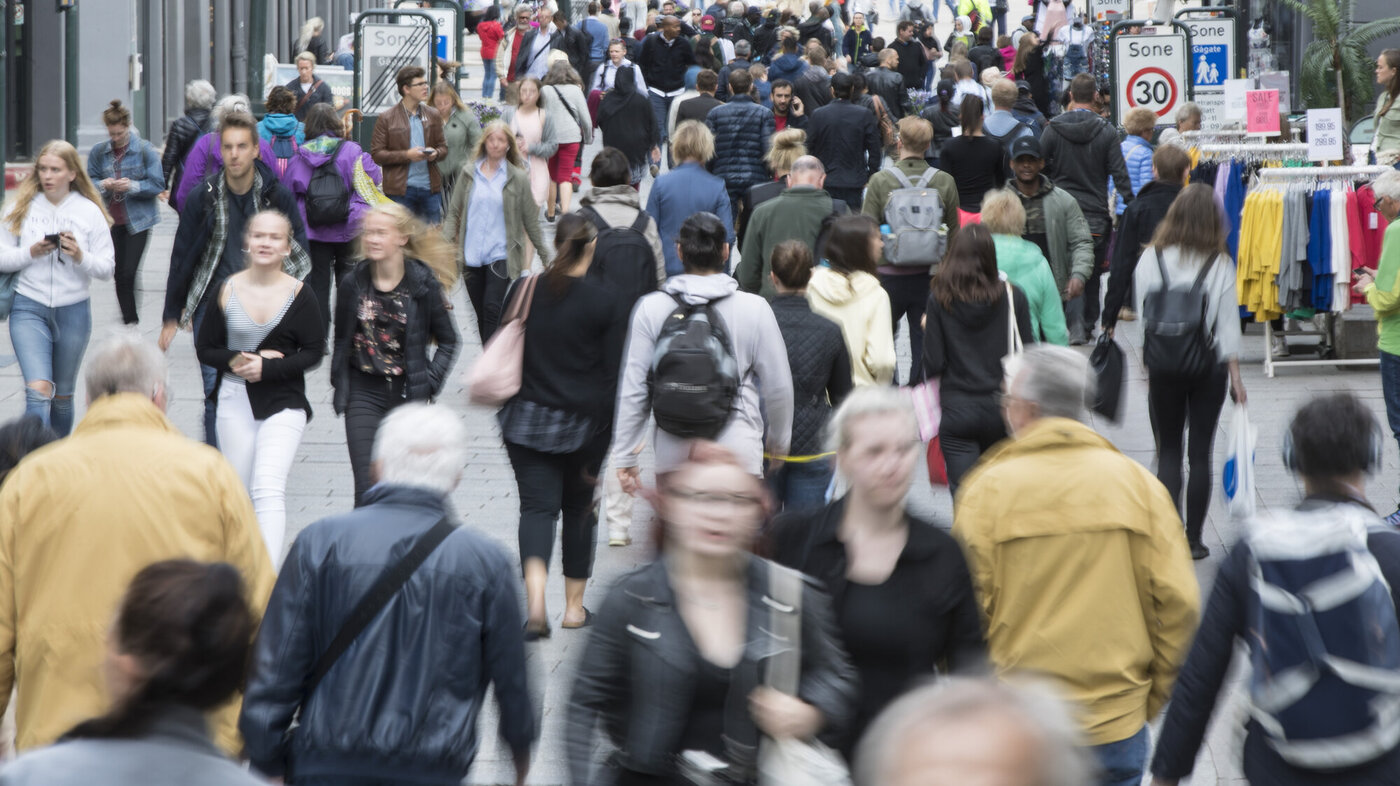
x,y
740,322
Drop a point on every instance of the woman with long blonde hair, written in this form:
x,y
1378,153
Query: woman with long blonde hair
x,y
53,247
493,224
388,311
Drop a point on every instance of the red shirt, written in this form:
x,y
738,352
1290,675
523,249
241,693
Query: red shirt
x,y
490,34
780,121
514,51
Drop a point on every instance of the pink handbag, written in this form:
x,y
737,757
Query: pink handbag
x,y
495,376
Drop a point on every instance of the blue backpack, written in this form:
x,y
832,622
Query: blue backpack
x,y
1323,638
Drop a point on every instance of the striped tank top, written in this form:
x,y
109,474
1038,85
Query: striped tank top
x,y
245,334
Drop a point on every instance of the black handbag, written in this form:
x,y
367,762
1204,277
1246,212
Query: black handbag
x,y
1108,361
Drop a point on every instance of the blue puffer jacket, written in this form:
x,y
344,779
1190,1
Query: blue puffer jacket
x,y
788,66
402,703
742,129
1137,153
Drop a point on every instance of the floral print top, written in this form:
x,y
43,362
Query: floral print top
x,y
381,328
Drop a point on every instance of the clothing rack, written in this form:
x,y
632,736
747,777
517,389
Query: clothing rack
x,y
1358,172
1281,149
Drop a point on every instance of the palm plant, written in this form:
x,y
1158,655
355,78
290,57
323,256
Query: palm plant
x,y
1336,63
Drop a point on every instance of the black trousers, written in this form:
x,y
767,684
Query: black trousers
x,y
371,398
1083,311
128,247
329,264
486,289
853,197
970,427
555,483
1173,404
908,299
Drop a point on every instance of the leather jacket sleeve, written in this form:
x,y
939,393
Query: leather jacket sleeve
x,y
829,681
600,686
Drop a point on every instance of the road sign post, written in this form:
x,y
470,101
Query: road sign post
x,y
1151,70
448,15
386,41
1214,57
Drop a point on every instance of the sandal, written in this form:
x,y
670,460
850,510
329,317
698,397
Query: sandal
x,y
587,620
534,632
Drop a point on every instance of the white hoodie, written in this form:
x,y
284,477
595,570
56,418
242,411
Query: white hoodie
x,y
862,308
53,279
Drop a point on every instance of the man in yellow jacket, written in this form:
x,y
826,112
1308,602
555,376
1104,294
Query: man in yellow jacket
x,y
1080,561
80,517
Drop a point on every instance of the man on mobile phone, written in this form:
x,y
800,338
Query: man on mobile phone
x,y
407,144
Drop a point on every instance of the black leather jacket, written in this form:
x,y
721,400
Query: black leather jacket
x,y
186,129
402,702
638,670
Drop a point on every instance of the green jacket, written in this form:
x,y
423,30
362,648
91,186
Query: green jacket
x,y
1384,294
877,193
795,214
522,217
462,131
1025,267
1066,232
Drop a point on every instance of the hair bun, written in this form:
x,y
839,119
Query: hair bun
x,y
116,103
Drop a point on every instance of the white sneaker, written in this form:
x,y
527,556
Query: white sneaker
x,y
619,537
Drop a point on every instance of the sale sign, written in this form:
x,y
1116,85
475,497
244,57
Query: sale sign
x,y
1261,112
1150,71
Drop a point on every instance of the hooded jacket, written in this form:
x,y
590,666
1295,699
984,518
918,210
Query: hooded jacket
x,y
762,416
964,344
1057,512
742,129
862,308
619,206
1022,264
787,66
626,120
1135,230
53,279
274,127
1081,152
1066,232
302,168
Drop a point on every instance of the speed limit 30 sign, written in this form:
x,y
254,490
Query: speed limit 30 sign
x,y
1152,72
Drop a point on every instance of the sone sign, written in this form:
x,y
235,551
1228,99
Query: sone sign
x,y
1150,71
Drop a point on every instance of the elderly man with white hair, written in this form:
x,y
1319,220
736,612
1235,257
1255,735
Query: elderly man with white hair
x,y
1188,118
1381,286
1080,561
962,730
388,662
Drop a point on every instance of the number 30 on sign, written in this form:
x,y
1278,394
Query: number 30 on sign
x,y
1152,88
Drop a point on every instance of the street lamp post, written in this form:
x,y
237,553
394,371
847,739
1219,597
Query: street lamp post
x,y
69,9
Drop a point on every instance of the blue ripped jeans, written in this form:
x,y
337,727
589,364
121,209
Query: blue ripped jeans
x,y
50,343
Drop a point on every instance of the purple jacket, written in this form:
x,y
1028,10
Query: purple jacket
x,y
298,176
204,157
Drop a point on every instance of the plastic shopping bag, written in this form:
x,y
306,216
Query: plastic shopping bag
x,y
928,409
1238,474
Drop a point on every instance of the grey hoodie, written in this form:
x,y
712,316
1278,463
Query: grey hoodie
x,y
764,395
619,206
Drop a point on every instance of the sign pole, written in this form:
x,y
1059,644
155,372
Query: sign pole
x,y
415,48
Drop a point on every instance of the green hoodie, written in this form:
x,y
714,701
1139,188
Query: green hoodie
x,y
1024,265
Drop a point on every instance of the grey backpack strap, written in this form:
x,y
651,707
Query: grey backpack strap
x,y
904,181
927,178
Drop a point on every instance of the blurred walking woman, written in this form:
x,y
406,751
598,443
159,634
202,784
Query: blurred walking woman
x,y
557,428
489,221
900,587
462,131
178,650
971,314
388,312
127,172
677,658
1190,244
54,245
264,332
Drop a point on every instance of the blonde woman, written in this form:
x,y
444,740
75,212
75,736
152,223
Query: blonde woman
x,y
56,245
493,224
784,148
312,39
388,312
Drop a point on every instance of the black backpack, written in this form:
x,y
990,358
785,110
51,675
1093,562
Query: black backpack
x,y
623,260
1177,339
694,376
327,196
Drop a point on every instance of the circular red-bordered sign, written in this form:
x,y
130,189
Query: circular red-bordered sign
x,y
1166,77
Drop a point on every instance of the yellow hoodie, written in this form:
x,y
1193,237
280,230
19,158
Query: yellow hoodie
x,y
1081,565
860,306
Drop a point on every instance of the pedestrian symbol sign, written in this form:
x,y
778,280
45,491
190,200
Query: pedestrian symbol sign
x,y
1212,58
1211,68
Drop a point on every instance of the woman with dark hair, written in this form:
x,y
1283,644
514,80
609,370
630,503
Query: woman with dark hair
x,y
281,129
574,332
941,115
1030,67
1189,246
178,650
331,216
613,199
126,170
976,161
821,378
673,673
20,437
1386,146
628,124
972,315
847,291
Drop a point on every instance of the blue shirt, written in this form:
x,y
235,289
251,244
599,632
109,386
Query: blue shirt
x,y
486,226
417,170
599,33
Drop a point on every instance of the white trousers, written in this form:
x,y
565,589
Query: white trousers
x,y
261,451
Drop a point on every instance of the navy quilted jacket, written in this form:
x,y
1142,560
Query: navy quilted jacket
x,y
821,369
741,128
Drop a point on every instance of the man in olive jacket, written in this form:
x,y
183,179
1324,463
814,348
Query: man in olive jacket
x,y
795,214
1054,221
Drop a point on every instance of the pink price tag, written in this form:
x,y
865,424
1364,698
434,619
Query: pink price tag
x,y
1261,112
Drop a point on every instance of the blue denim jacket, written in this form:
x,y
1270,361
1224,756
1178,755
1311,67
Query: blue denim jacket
x,y
147,181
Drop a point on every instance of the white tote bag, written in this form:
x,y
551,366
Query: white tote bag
x,y
1238,473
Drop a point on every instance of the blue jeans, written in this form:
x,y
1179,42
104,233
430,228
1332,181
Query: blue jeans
x,y
488,78
424,203
801,485
346,61
661,109
1390,388
49,343
1123,761
209,376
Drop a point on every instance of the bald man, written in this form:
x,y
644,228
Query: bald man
x,y
795,214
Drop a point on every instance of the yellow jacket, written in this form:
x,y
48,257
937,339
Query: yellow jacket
x,y
78,519
1081,564
862,308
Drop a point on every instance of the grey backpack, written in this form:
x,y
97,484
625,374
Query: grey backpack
x,y
914,214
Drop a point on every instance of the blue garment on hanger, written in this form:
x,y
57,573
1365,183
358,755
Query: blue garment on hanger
x,y
1234,206
1320,249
